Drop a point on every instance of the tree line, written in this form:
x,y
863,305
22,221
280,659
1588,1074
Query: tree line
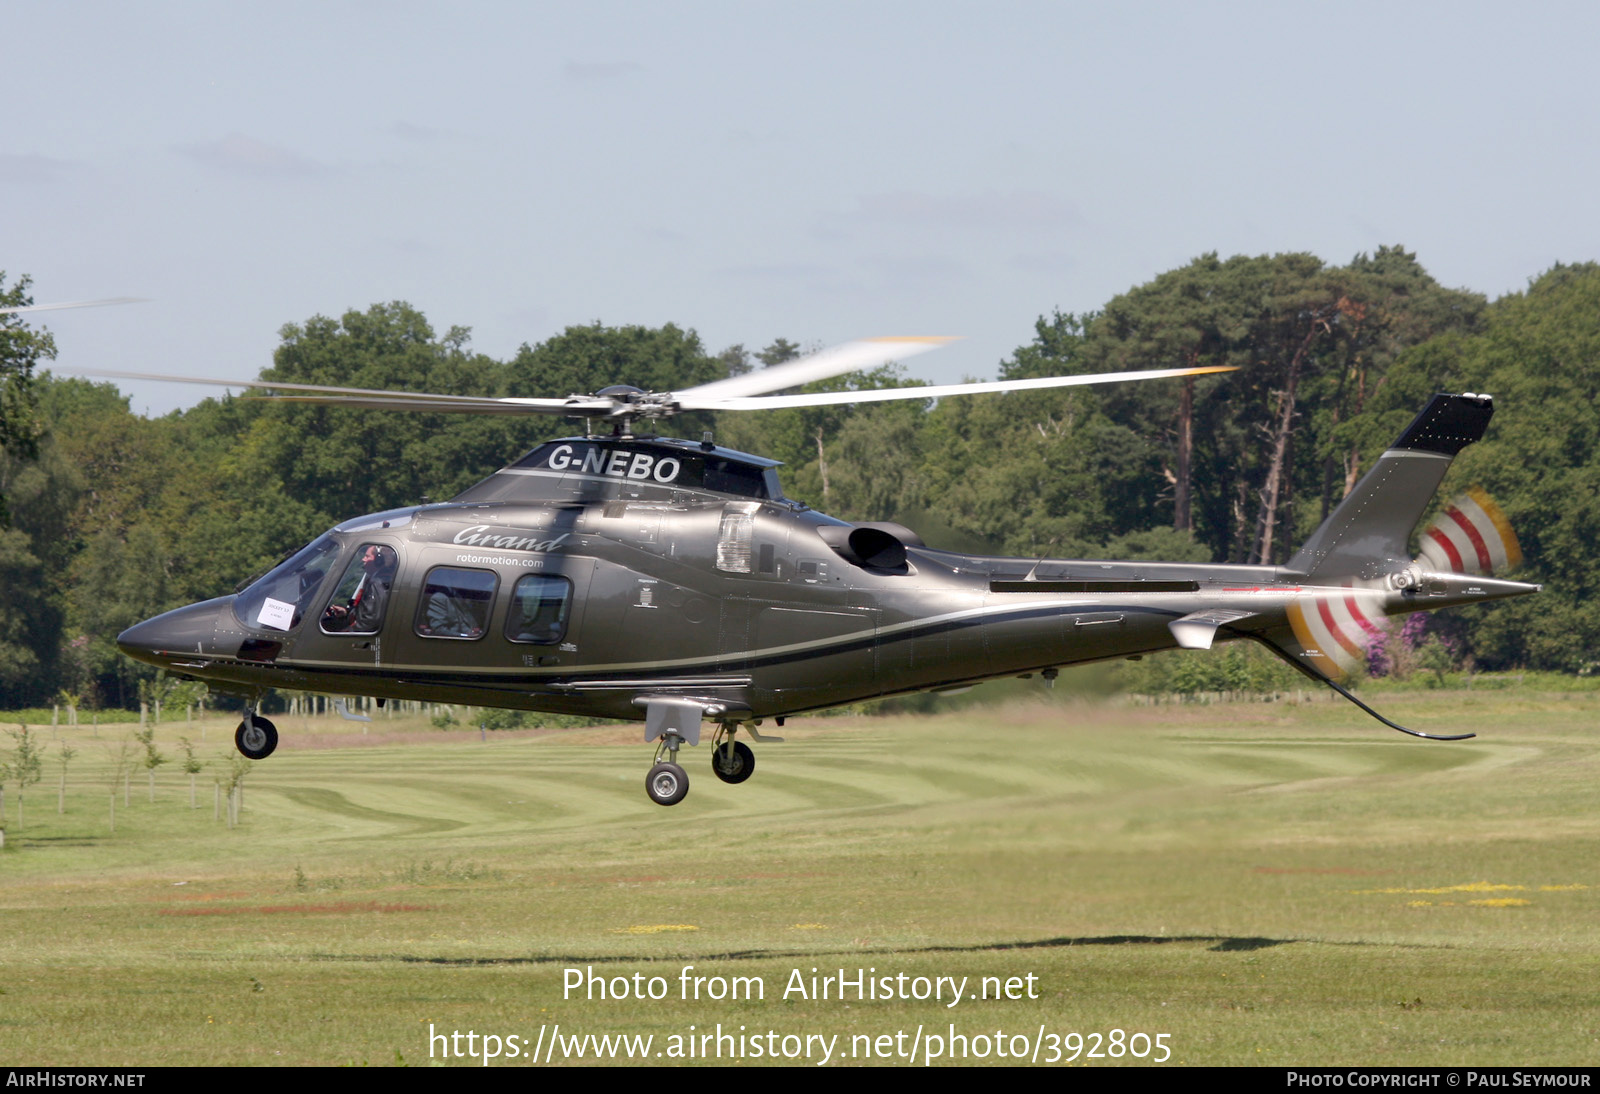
x,y
111,517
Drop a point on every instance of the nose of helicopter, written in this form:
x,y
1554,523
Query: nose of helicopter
x,y
179,634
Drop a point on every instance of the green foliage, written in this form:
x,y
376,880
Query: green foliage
x,y
36,552
153,756
27,758
1311,344
351,461
236,768
37,715
498,718
119,761
1037,472
1434,659
1232,668
21,349
192,764
541,720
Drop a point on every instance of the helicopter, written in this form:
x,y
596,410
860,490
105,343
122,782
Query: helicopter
x,y
626,575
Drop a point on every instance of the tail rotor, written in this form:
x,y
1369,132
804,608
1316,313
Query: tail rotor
x,y
1471,535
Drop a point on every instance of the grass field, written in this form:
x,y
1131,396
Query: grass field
x,y
1262,883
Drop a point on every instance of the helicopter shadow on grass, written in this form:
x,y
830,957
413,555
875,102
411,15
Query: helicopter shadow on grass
x,y
1219,944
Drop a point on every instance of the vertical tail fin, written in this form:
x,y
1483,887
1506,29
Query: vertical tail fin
x,y
1368,535
1358,564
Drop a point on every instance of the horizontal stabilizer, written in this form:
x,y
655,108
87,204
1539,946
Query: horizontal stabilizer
x,y
1197,630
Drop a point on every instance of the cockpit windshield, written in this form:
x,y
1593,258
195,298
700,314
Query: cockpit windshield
x,y
278,601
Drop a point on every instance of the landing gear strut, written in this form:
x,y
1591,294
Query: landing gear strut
x,y
256,737
731,761
675,722
667,783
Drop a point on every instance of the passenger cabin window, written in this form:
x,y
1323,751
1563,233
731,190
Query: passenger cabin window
x,y
539,609
362,595
455,603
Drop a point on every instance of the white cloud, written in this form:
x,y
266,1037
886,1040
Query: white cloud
x,y
246,155
34,169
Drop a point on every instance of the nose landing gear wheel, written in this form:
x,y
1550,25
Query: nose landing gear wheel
x,y
256,738
666,784
736,768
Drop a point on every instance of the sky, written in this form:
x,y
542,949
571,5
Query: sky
x,y
818,171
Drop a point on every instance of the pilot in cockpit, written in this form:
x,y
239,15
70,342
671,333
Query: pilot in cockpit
x,y
364,611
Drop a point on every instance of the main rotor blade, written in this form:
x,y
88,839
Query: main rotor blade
x,y
378,397
875,395
76,304
454,404
862,353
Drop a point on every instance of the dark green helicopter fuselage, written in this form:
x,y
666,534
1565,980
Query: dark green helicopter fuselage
x,y
598,574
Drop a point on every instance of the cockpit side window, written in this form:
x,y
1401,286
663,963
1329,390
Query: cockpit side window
x,y
361,598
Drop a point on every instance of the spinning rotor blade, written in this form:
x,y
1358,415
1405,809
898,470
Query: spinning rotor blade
x,y
691,401
863,353
75,304
455,404
1336,630
1470,536
849,357
382,399
734,393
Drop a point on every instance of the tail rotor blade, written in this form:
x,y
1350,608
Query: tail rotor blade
x,y
1334,631
1471,535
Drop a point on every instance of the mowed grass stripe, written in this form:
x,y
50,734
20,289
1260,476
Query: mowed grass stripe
x,y
1282,889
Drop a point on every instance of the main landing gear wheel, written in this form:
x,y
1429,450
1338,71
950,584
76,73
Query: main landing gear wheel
x,y
666,784
735,768
256,738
